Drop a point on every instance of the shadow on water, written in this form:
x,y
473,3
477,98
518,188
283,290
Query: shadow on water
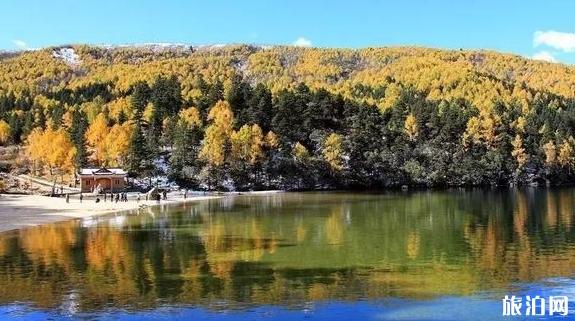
x,y
258,254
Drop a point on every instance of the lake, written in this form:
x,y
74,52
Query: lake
x,y
430,255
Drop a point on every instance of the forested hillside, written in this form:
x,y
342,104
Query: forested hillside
x,y
245,117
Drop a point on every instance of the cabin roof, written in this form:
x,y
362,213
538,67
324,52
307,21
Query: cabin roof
x,y
102,171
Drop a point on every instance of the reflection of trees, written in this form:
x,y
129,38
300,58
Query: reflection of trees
x,y
295,249
531,248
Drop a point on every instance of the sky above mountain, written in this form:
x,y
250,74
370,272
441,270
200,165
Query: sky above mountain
x,y
536,29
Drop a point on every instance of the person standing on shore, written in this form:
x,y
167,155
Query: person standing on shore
x,y
81,197
67,198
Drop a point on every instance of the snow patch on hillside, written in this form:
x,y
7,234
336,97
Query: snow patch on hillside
x,y
68,55
165,46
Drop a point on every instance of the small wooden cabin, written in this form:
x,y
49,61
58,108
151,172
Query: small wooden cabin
x,y
110,180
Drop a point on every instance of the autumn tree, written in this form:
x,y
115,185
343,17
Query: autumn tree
x,y
96,138
410,127
4,132
565,155
333,152
550,153
518,152
217,134
51,148
117,144
216,141
247,144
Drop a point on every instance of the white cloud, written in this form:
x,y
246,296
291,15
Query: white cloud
x,y
21,44
559,40
544,56
302,42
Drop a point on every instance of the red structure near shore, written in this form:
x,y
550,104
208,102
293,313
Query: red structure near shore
x,y
102,179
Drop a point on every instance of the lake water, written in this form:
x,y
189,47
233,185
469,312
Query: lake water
x,y
450,255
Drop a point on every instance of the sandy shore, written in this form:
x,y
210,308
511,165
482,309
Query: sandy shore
x,y
17,211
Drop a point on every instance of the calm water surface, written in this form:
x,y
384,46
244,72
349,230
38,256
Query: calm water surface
x,y
448,255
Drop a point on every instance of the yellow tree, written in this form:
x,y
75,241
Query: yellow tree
x,y
36,148
550,153
247,144
519,152
300,153
117,144
52,148
4,132
61,150
96,138
191,117
241,141
481,130
410,127
217,134
256,144
333,151
472,133
565,157
271,140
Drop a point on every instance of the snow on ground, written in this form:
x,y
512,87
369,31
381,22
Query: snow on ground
x,y
161,180
68,55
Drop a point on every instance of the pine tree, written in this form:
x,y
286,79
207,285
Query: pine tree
x,y
78,134
260,108
139,99
238,95
15,129
137,154
183,162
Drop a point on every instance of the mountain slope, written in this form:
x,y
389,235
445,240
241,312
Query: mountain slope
x,y
371,75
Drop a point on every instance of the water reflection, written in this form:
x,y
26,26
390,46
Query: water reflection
x,y
290,249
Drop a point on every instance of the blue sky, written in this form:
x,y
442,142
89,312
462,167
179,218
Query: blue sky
x,y
542,29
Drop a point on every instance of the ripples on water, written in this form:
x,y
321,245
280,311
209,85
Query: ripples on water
x,y
395,256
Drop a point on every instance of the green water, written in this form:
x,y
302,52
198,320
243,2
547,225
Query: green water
x,y
291,249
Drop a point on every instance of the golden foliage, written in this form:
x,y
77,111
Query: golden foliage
x,y
519,152
118,106
481,130
4,132
565,157
217,134
52,148
247,144
117,144
271,140
96,138
300,153
109,145
550,153
191,117
333,151
410,127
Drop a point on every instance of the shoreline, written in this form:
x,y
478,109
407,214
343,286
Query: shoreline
x,y
19,211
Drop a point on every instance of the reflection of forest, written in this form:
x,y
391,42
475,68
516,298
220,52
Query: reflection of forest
x,y
287,249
